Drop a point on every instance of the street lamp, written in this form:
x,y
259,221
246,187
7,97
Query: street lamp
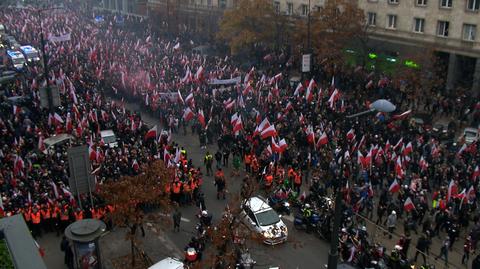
x,y
381,105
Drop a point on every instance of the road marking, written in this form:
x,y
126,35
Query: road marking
x,y
288,217
184,219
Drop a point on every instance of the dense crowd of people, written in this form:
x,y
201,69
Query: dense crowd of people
x,y
289,136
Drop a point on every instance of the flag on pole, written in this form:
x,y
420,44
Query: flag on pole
x,y
408,205
394,187
152,133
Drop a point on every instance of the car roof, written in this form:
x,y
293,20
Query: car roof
x,y
106,133
14,53
470,130
27,48
167,263
257,204
57,139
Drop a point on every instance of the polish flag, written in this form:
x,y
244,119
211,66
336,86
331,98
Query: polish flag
x,y
268,132
152,133
476,173
189,98
399,144
263,125
16,110
360,159
394,187
177,46
462,195
269,150
238,125
92,153
288,107
230,105
247,89
249,75
166,156
369,84
135,165
387,146
368,158
301,118
298,89
334,98
402,116
234,119
399,167
199,74
423,164
309,94
408,205
310,135
283,145
351,134
471,194
58,118
188,114
452,190
275,146
462,149
201,118
323,140
408,149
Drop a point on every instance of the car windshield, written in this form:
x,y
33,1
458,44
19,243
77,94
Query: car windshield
x,y
470,134
18,61
268,217
32,55
109,139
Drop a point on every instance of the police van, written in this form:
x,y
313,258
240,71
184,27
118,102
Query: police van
x,y
16,59
31,54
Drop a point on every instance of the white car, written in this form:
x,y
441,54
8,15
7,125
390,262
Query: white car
x,y
109,138
168,263
471,134
261,218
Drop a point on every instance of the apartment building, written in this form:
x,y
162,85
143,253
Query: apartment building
x,y
447,26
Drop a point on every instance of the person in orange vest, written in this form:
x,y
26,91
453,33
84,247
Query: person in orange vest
x,y
248,161
254,165
36,218
78,214
220,183
46,217
27,215
280,175
297,181
268,182
176,191
64,217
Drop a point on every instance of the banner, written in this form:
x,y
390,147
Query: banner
x,y
236,80
60,38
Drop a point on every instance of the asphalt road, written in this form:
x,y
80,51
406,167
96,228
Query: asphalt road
x,y
301,251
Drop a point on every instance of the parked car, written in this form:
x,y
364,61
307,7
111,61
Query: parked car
x,y
168,263
422,121
109,138
471,134
258,216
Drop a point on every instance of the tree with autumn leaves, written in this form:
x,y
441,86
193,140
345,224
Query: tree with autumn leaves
x,y
130,194
250,24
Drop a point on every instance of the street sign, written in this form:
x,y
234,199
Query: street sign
x,y
80,176
55,96
306,62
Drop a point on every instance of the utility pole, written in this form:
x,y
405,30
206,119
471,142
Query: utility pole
x,y
309,44
45,64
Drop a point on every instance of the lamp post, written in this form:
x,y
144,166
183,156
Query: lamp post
x,y
44,57
381,105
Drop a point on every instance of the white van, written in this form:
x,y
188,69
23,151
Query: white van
x,y
168,263
109,138
30,53
16,58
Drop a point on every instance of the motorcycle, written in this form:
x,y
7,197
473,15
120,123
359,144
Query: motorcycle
x,y
279,205
301,224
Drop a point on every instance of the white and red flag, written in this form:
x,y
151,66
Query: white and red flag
x,y
452,190
201,118
408,205
152,133
268,132
334,98
238,125
394,187
323,140
188,114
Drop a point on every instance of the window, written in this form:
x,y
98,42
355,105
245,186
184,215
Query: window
x,y
304,10
276,7
289,8
392,21
421,2
419,25
393,2
372,18
446,3
442,29
469,32
473,5
222,3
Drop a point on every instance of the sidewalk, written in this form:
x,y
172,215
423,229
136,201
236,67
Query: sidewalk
x,y
113,244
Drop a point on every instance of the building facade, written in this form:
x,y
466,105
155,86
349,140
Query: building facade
x,y
447,26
